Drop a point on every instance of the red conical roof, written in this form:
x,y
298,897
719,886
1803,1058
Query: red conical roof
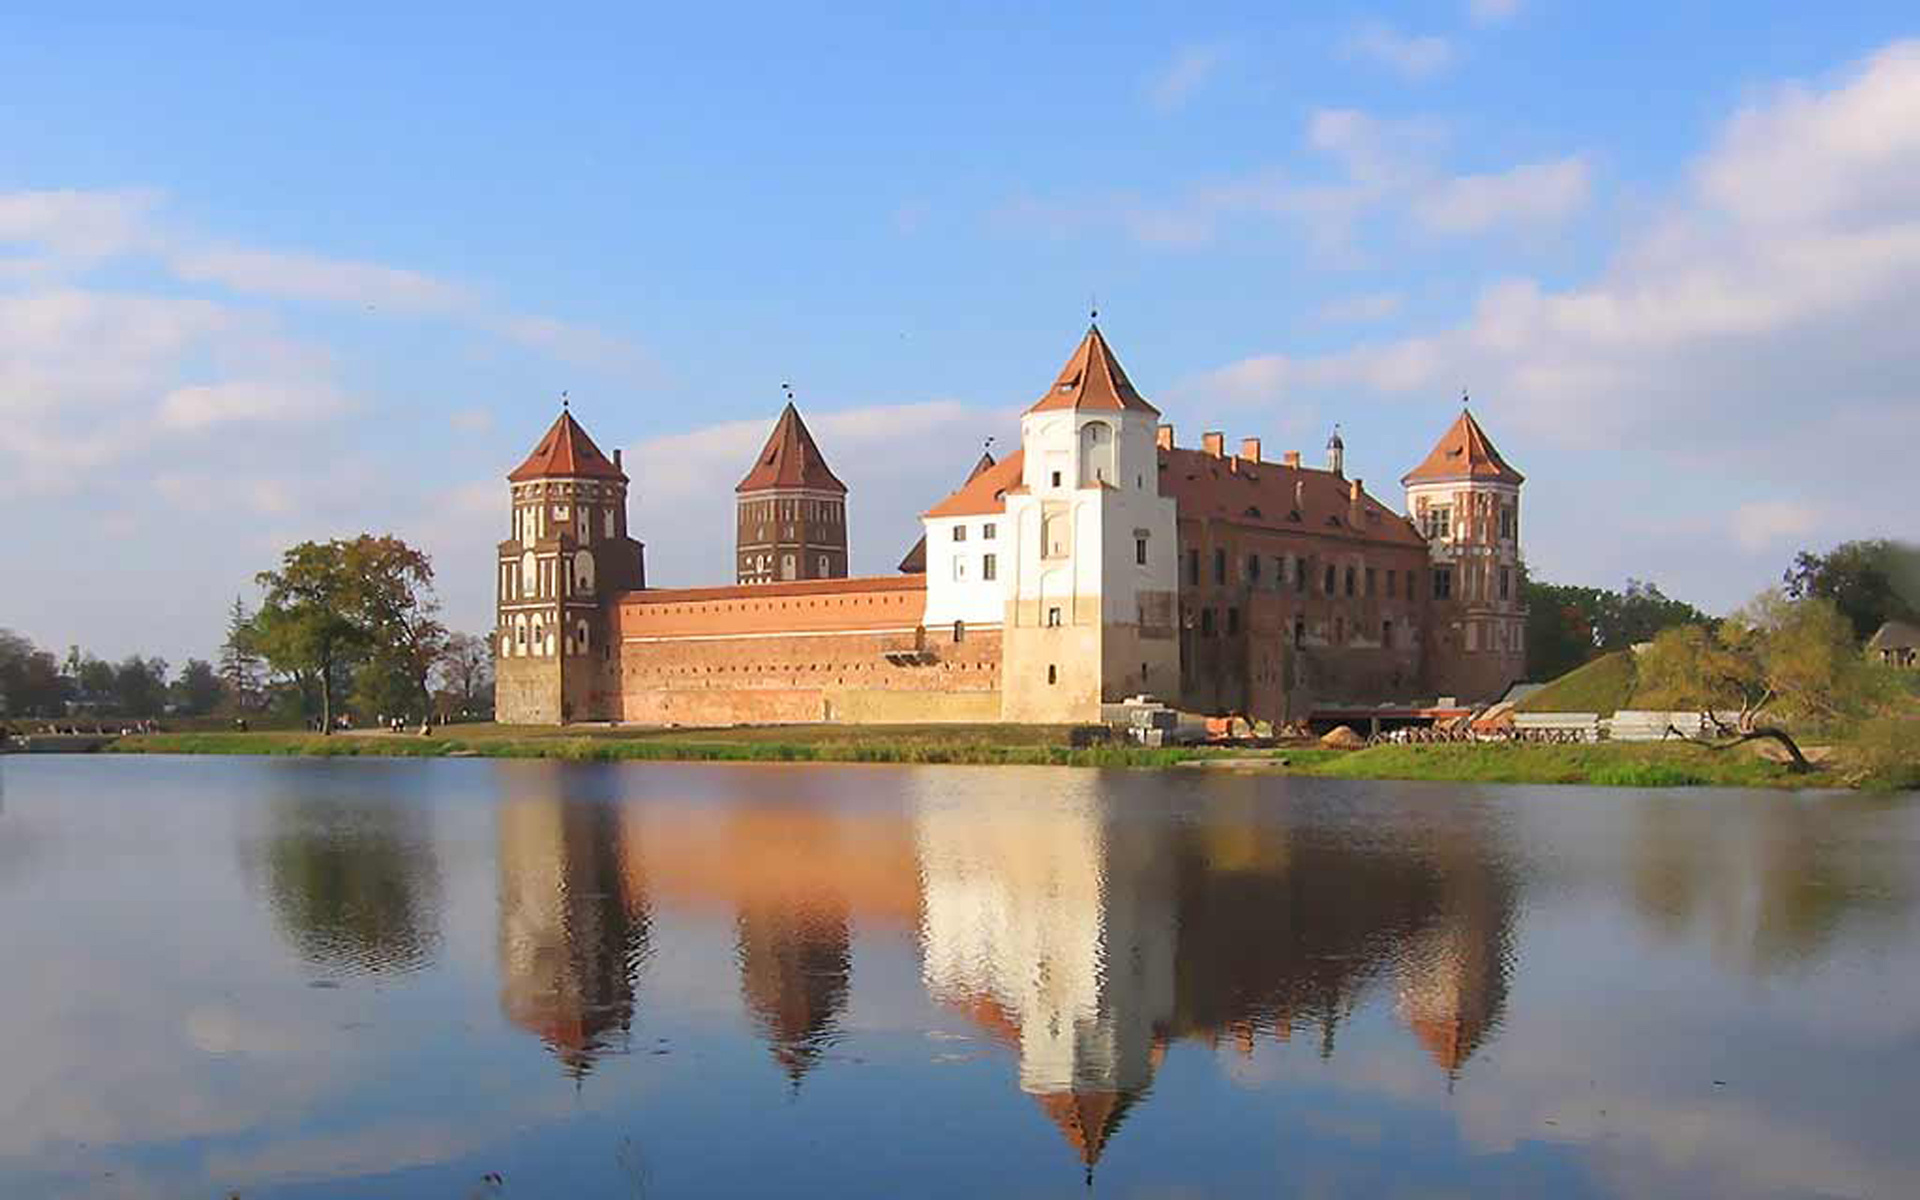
x,y
1093,378
1464,452
790,460
566,450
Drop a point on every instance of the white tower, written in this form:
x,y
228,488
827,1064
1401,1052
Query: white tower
x,y
1090,614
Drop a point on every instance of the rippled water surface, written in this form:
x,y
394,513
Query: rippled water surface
x,y
360,978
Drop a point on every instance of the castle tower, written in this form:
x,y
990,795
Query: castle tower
x,y
1090,614
568,554
791,509
1465,499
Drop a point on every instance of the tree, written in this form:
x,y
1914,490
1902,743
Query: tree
x,y
30,681
1568,625
307,627
1784,658
239,662
333,606
1870,582
140,686
94,680
466,672
198,690
393,595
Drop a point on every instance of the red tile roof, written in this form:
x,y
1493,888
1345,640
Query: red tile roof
x,y
790,460
565,451
1093,378
1464,452
985,490
1264,493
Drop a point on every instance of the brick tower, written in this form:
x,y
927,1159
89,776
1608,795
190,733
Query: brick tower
x,y
791,510
1465,500
568,553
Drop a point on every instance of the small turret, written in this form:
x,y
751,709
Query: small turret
x,y
1336,453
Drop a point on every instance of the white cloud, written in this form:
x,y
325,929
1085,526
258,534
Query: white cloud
x,y
1412,56
1486,12
201,406
312,277
1755,332
75,225
1765,524
1531,194
1191,68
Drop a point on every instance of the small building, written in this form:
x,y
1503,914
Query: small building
x,y
1896,643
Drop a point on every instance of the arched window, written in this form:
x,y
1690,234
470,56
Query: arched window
x,y
1096,453
583,572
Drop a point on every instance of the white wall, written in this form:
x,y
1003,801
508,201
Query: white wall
x,y
966,594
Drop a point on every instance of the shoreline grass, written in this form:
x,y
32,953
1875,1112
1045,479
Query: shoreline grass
x,y
1638,765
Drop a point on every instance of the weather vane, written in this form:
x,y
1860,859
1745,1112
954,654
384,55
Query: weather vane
x,y
563,399
1093,306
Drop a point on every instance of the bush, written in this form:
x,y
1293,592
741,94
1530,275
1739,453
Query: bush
x,y
1885,753
1646,774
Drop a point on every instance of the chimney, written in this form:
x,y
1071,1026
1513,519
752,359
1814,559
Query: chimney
x,y
1353,492
1250,449
1214,444
1354,504
1163,437
616,458
1292,459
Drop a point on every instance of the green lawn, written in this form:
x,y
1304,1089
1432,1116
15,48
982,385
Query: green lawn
x,y
1602,686
1638,764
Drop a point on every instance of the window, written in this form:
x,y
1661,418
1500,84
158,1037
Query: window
x,y
988,531
1509,521
1439,523
959,568
1253,568
1140,551
1442,583
1053,617
959,533
1206,622
1193,567
824,569
1300,574
1349,581
1330,579
1506,582
959,631
1392,583
1053,674
1369,581
1279,572
989,567
1299,632
1219,566
1056,479
1233,621
1386,634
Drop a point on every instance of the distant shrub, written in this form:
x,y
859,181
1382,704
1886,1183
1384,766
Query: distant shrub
x,y
1646,774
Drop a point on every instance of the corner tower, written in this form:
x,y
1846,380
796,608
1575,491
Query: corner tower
x,y
791,511
1090,613
1465,500
569,552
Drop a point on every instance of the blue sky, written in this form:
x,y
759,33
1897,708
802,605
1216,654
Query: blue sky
x,y
264,278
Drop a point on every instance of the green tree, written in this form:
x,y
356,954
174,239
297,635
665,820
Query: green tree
x,y
308,626
94,680
199,688
1871,582
30,681
239,661
1568,625
140,686
397,606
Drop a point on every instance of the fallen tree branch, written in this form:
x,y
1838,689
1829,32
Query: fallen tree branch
x,y
1797,763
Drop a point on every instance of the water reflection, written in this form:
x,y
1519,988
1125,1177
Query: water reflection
x,y
573,916
352,877
1197,984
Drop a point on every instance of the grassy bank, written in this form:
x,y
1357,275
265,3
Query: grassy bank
x,y
907,744
1605,764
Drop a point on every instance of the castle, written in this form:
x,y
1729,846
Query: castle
x,y
1098,561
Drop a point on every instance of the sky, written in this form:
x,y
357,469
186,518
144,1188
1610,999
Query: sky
x,y
267,277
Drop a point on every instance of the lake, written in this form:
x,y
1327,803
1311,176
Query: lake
x,y
305,978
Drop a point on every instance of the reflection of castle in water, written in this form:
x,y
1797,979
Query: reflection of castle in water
x,y
573,923
1085,934
1089,940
